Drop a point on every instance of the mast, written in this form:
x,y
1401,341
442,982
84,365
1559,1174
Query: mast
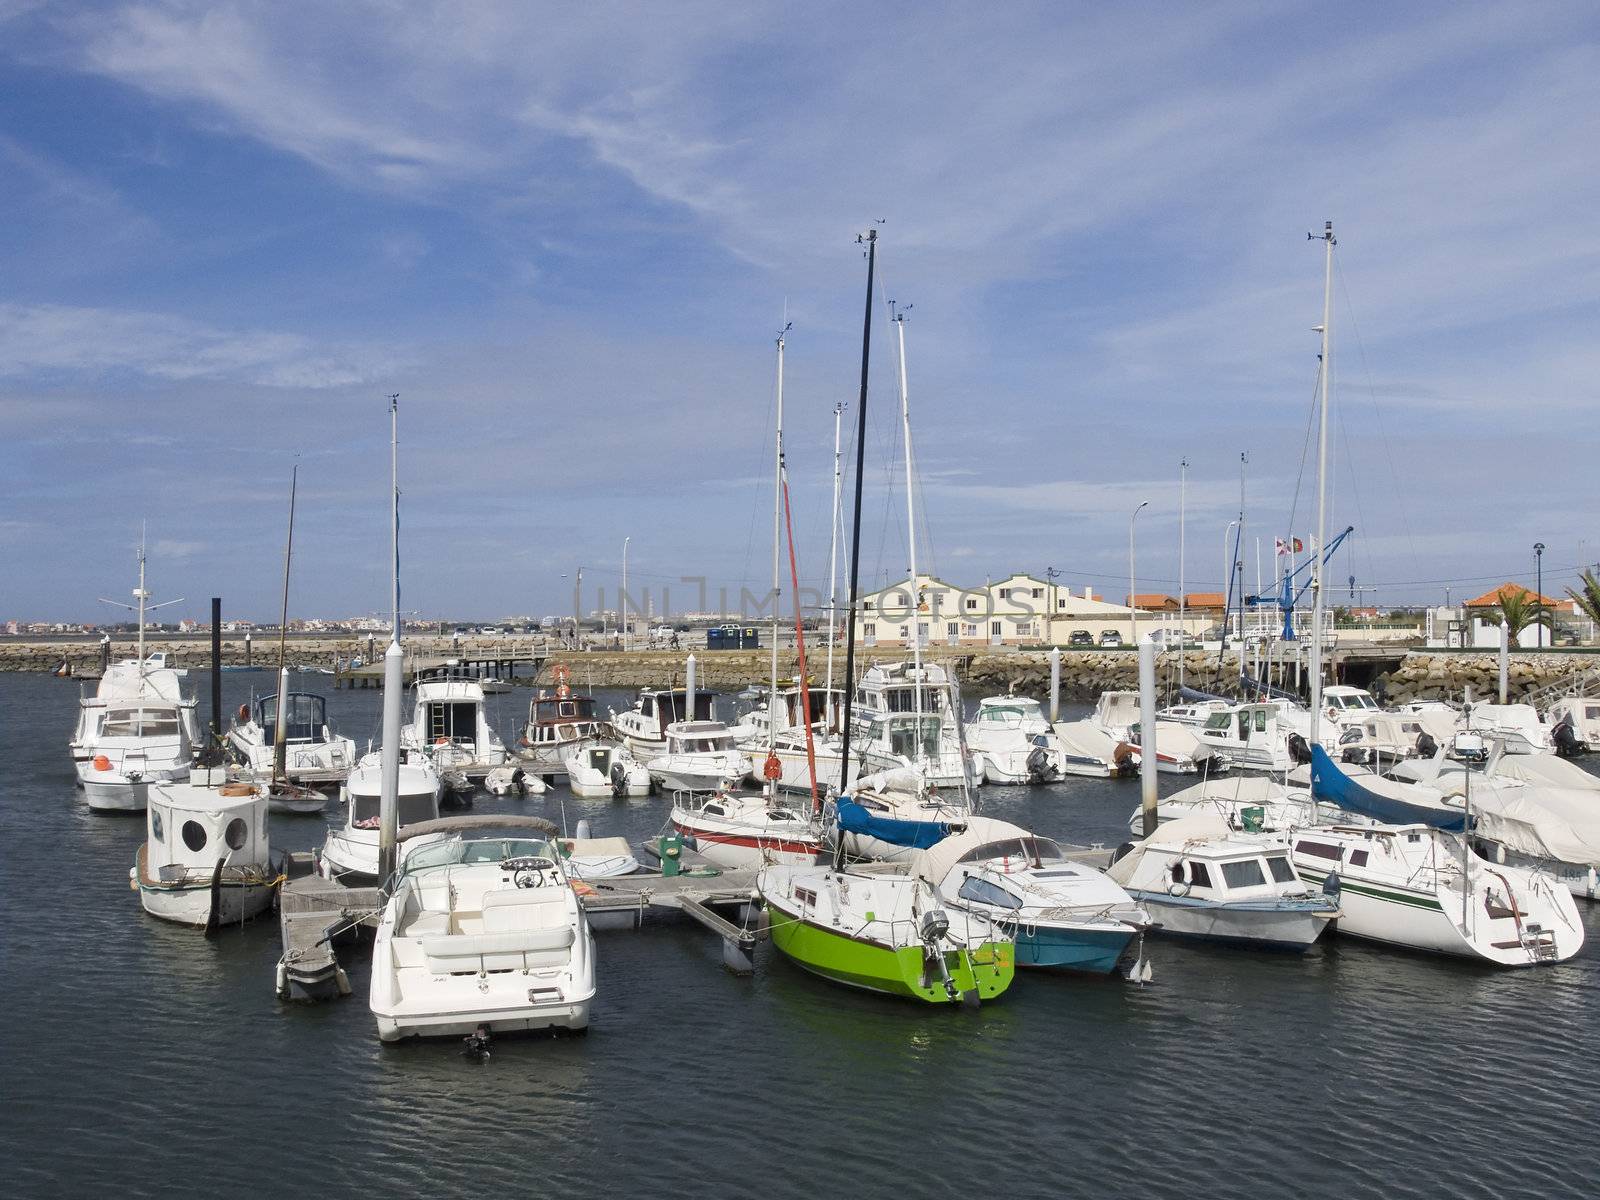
x,y
1183,510
1322,482
393,670
777,543
1238,555
871,239
141,594
280,733
911,543
833,551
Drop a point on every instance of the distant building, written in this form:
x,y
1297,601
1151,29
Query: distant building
x,y
1485,628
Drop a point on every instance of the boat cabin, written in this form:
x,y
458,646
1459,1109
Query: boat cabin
x,y
306,718
700,737
670,706
191,828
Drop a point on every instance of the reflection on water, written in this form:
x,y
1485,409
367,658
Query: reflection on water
x,y
140,1058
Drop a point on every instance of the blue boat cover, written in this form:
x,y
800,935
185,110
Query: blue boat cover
x,y
1264,691
1196,696
919,835
1329,783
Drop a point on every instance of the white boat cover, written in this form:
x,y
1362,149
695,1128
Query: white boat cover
x,y
1201,827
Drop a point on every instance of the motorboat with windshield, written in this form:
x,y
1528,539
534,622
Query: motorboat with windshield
x,y
481,936
1012,742
699,756
643,727
313,752
450,725
908,717
137,730
1061,913
606,770
350,851
1179,750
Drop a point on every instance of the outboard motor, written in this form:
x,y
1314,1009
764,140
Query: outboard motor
x,y
619,780
1299,751
1566,739
1040,768
1426,746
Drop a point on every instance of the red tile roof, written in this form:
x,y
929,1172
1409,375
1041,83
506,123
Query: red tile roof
x,y
1492,599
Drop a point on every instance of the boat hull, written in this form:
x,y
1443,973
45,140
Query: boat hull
x,y
1257,926
874,967
503,1008
110,795
189,902
1065,948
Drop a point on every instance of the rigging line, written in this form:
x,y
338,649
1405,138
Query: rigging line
x,y
1305,451
755,483
1377,409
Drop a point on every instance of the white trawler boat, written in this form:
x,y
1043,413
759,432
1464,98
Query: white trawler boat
x,y
559,725
206,859
313,753
1200,878
906,717
450,726
482,935
643,728
350,851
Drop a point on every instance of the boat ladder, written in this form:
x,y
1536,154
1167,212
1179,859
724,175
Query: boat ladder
x,y
1539,943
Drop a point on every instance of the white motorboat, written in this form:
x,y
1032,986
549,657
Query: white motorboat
x,y
907,717
559,726
350,852
787,743
482,935
1012,742
313,753
1265,735
206,859
136,743
1062,914
643,728
1179,751
1580,716
734,830
700,756
596,857
606,770
450,726
1199,878
1515,726
1091,752
1425,889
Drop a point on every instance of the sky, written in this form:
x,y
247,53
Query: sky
x,y
568,236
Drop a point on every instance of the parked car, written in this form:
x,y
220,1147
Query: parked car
x,y
1110,637
1080,637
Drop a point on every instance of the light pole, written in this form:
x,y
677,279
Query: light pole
x,y
1538,586
1183,508
577,611
1133,611
622,601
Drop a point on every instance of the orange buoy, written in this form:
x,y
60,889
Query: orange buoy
x,y
772,768
102,763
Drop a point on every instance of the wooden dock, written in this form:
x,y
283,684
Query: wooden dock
x,y
313,914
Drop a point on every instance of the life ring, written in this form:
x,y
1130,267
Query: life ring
x,y
441,741
772,768
1178,888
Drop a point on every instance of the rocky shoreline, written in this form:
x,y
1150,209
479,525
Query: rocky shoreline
x,y
1419,675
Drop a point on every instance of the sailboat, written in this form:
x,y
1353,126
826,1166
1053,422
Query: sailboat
x,y
392,785
875,926
743,830
139,728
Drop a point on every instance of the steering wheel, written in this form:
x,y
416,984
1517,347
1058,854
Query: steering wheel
x,y
528,879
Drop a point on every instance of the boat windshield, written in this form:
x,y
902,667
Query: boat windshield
x,y
147,721
307,715
903,737
458,851
1035,851
409,810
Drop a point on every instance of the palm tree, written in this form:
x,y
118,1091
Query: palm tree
x,y
1588,600
1519,609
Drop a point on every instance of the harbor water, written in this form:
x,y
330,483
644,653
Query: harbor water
x,y
139,1059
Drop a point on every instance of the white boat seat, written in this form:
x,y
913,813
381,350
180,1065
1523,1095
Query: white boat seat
x,y
523,908
497,951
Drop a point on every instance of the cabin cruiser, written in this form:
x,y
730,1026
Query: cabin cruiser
x,y
479,936
1178,750
1376,736
450,726
890,733
1265,735
206,859
643,728
1200,878
1579,716
1515,726
700,756
734,830
1423,888
1063,914
605,770
1011,742
559,726
787,743
313,753
350,853
1191,712
137,729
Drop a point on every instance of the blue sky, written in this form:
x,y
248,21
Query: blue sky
x,y
567,236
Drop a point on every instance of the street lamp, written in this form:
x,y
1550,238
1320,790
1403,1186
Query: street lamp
x,y
1133,612
622,602
1538,575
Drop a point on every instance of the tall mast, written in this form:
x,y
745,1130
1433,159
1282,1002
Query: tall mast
x,y
1238,555
393,671
833,551
1183,510
394,522
280,735
141,594
911,542
777,534
1322,481
871,239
